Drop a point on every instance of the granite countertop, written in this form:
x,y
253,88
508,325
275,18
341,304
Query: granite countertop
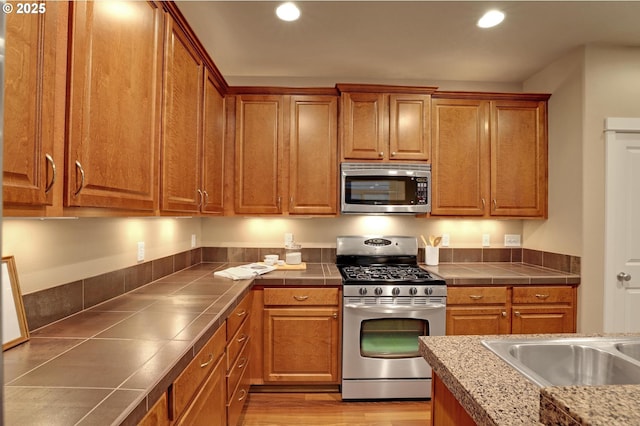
x,y
107,365
501,273
493,393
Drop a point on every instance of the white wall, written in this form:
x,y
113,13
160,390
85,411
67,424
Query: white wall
x,y
52,252
588,85
322,232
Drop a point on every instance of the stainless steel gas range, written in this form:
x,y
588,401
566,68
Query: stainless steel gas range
x,y
389,301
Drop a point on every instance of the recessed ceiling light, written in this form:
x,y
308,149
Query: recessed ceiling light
x,y
288,12
491,19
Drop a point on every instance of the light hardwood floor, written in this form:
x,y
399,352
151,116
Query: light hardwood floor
x,y
327,409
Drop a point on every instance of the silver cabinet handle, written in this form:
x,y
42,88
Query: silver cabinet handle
x,y
504,314
335,315
393,154
242,395
495,204
483,204
542,296
204,364
475,297
242,313
517,313
623,276
79,167
206,198
301,298
201,198
241,363
381,154
242,338
53,177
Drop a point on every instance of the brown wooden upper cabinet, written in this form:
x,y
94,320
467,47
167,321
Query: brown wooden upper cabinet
x,y
30,169
285,154
489,155
115,80
385,122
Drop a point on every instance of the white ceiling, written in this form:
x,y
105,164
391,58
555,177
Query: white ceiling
x,y
401,41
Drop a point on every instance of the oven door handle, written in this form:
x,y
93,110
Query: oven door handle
x,y
390,309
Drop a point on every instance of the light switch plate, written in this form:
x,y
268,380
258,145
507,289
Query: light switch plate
x,y
193,240
140,251
445,240
486,240
511,240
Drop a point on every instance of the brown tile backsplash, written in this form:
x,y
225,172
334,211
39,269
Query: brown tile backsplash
x,y
53,304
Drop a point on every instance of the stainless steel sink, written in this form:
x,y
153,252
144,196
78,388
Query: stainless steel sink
x,y
630,349
572,361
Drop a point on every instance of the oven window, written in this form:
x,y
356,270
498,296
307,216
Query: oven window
x,y
372,190
391,337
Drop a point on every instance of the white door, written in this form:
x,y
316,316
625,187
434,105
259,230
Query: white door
x,y
622,226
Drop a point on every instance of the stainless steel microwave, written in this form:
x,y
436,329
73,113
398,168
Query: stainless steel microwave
x,y
370,188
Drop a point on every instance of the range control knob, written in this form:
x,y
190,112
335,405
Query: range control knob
x,y
428,291
362,291
413,291
395,291
378,291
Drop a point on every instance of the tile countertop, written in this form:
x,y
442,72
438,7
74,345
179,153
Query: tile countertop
x,y
495,394
501,273
108,364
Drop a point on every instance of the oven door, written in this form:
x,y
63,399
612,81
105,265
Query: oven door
x,y
380,341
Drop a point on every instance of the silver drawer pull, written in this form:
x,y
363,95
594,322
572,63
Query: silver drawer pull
x,y
79,167
54,172
517,313
242,395
242,338
301,298
203,365
242,363
242,313
542,296
475,296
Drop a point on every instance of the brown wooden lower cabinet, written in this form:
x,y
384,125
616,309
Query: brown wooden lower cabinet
x,y
506,309
445,408
301,336
238,351
209,406
157,415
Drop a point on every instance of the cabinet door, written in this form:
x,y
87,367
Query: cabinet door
x,y
409,124
301,345
313,166
30,70
259,154
114,105
538,319
460,157
181,143
518,158
213,147
477,320
364,126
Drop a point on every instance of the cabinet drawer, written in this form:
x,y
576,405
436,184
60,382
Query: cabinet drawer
x,y
300,296
239,314
157,415
235,345
237,400
560,294
185,386
476,295
237,369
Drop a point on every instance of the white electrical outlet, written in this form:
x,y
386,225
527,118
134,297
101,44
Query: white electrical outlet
x,y
512,240
288,239
140,251
445,240
193,240
486,240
